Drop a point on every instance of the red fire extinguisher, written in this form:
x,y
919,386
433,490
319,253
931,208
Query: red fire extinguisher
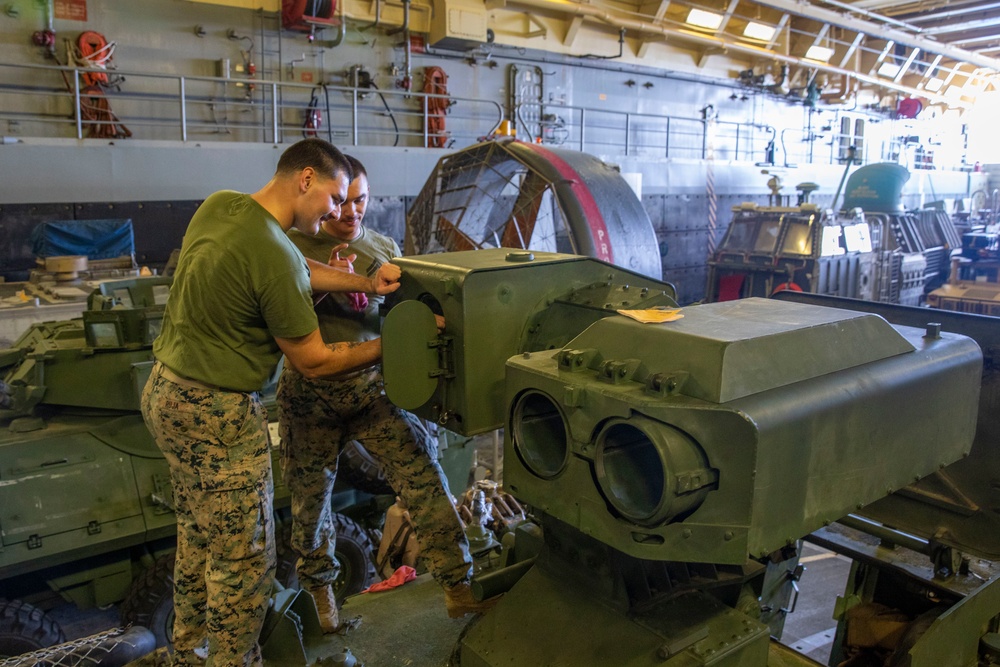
x,y
314,119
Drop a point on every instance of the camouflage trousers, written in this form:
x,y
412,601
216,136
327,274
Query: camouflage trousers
x,y
217,447
316,417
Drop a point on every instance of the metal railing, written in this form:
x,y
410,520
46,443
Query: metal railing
x,y
54,101
598,130
803,147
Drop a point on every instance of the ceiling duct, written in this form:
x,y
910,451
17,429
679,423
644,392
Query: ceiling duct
x,y
458,25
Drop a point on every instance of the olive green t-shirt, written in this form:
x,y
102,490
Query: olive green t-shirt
x,y
239,283
338,321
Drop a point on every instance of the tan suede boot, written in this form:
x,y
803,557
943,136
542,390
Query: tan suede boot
x,y
459,601
326,606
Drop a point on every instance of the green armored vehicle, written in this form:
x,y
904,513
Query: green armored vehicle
x,y
672,468
85,497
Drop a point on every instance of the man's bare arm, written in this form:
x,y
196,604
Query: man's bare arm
x,y
324,278
315,359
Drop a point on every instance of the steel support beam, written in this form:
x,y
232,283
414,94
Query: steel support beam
x,y
806,10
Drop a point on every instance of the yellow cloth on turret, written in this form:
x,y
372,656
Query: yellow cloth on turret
x,y
653,315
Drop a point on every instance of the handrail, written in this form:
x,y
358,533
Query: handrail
x,y
484,119
628,124
210,108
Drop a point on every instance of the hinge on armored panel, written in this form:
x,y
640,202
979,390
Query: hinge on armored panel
x,y
446,362
666,384
616,371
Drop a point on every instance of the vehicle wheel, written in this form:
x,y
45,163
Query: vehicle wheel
x,y
25,628
150,600
354,551
361,470
356,554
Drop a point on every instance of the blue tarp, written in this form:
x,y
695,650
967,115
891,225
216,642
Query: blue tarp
x,y
97,239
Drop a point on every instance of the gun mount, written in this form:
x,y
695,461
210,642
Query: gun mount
x,y
670,466
518,301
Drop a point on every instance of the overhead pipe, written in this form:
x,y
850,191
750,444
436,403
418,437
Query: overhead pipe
x,y
405,29
341,33
846,90
593,12
378,15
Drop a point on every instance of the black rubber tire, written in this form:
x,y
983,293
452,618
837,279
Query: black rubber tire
x,y
150,600
360,469
355,552
25,628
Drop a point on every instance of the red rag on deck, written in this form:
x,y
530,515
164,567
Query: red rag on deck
x,y
403,574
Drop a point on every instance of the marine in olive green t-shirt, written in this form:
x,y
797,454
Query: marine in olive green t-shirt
x,y
239,283
338,320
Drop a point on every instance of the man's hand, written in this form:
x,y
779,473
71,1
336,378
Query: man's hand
x,y
386,280
439,321
342,263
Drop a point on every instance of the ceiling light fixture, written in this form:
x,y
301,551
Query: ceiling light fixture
x,y
953,92
888,70
761,31
820,53
704,19
933,85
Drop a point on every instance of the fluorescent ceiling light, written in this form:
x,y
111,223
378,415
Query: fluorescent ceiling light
x,y
820,53
704,19
953,92
888,70
760,31
933,85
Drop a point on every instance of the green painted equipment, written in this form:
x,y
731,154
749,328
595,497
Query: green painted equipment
x,y
931,551
72,392
802,248
670,466
86,508
877,187
507,301
733,431
869,248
